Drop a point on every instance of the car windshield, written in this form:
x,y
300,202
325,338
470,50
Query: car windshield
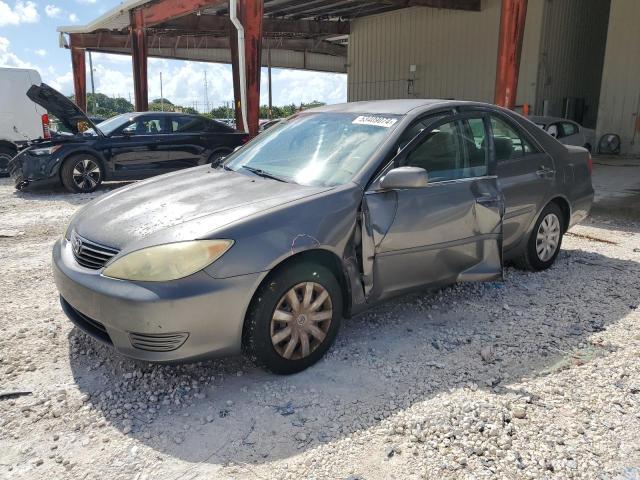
x,y
109,126
315,149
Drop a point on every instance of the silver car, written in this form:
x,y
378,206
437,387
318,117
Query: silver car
x,y
567,131
317,219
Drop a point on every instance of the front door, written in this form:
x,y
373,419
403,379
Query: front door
x,y
139,148
449,230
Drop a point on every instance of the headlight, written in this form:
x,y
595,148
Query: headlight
x,y
45,151
167,262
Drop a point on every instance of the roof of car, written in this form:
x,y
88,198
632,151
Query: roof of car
x,y
391,107
547,119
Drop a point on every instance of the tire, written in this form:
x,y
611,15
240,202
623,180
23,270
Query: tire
x,y
553,229
73,175
273,296
216,156
6,154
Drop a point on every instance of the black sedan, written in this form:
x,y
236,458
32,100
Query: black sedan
x,y
130,146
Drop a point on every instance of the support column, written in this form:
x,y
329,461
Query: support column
x,y
512,24
250,13
139,58
79,67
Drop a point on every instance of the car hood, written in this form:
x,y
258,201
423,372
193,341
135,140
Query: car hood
x,y
185,205
60,106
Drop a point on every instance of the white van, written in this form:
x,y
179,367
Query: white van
x,y
21,120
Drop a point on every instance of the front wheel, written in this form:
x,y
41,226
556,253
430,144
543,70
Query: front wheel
x,y
545,240
81,174
294,318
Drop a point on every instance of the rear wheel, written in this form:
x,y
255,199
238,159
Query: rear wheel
x,y
216,157
545,240
294,318
6,154
81,173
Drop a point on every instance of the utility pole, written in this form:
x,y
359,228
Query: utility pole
x,y
206,93
93,88
161,96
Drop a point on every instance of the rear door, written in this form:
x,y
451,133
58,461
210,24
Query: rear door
x,y
139,148
525,173
450,230
189,141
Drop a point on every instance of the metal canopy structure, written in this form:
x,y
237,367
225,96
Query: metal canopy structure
x,y
303,34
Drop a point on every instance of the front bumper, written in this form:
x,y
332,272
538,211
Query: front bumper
x,y
189,319
26,169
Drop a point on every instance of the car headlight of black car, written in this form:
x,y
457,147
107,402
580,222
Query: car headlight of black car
x,y
45,151
172,261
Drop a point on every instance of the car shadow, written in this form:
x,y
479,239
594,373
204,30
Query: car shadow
x,y
405,351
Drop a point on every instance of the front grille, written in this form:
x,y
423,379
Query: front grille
x,y
90,254
158,342
86,324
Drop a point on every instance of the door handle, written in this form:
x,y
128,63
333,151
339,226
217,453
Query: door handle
x,y
487,200
545,171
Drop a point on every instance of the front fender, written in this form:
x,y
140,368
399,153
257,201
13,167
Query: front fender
x,y
324,222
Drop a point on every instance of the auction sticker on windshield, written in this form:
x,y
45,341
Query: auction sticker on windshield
x,y
375,121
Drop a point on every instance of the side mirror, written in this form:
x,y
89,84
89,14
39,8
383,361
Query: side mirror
x,y
405,177
128,133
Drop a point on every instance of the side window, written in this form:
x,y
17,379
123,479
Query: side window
x,y
145,126
187,125
568,129
474,142
439,154
507,142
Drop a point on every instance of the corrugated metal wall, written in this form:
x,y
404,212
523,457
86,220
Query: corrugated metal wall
x,y
620,95
574,34
454,52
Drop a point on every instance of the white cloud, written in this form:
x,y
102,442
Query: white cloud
x,y
300,86
63,83
22,12
52,11
10,59
73,18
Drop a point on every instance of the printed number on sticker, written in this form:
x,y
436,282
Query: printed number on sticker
x,y
375,121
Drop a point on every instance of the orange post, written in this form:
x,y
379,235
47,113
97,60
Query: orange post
x,y
512,24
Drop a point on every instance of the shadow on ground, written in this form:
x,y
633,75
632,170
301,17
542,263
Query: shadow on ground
x,y
403,352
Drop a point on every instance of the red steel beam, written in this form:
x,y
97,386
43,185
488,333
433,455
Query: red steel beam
x,y
79,67
512,24
139,59
164,10
251,13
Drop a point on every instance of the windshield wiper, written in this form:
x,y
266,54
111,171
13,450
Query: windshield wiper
x,y
262,173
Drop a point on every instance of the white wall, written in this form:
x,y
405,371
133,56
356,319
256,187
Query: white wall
x,y
620,93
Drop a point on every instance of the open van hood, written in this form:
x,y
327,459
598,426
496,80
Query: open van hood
x,y
61,107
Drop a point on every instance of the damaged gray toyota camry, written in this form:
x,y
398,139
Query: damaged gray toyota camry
x,y
317,219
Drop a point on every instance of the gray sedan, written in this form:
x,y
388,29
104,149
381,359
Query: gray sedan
x,y
317,219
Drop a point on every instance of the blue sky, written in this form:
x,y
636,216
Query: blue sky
x,y
28,39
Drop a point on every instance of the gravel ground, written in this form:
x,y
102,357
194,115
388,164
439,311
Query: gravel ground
x,y
536,377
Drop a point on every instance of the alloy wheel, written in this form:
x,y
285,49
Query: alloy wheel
x,y
5,158
301,320
548,237
86,174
